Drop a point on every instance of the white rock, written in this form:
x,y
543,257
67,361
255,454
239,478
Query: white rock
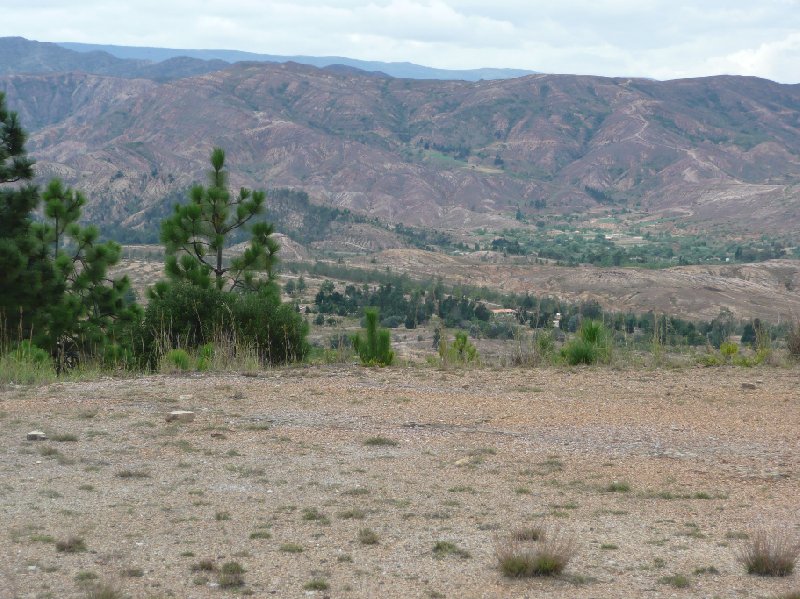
x,y
36,436
180,416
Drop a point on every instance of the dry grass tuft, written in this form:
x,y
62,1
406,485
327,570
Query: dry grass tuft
x,y
519,556
770,553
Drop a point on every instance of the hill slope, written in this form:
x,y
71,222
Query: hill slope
x,y
718,152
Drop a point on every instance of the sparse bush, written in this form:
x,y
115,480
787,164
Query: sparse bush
x,y
547,556
375,348
772,553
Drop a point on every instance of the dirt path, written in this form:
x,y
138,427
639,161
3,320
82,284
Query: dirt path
x,y
277,473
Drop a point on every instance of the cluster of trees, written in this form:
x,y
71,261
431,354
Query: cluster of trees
x,y
56,292
401,303
660,250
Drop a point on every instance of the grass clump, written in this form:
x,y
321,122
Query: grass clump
x,y
316,584
291,548
133,474
678,581
770,554
548,555
71,545
104,591
178,359
618,486
231,574
444,548
367,536
380,442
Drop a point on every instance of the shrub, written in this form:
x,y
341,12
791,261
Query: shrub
x,y
188,316
547,556
770,554
375,348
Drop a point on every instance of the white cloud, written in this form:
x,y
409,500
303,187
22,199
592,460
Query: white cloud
x,y
654,38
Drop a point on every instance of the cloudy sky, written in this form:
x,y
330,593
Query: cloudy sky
x,y
663,39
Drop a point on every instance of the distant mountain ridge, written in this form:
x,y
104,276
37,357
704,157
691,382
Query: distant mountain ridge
x,y
405,70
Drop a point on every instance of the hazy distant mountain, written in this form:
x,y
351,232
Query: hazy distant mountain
x,y
393,69
718,151
19,55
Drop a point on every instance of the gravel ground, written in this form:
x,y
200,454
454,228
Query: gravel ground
x,y
280,473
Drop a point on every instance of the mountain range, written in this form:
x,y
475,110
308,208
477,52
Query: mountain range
x,y
718,153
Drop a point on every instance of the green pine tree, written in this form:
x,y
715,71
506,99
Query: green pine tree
x,y
197,233
54,284
28,281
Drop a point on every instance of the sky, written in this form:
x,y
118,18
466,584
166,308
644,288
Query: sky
x,y
661,39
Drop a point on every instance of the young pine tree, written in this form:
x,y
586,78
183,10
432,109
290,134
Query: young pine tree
x,y
93,306
197,233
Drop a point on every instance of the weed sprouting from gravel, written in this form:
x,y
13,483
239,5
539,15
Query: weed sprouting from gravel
x,y
678,581
352,514
312,514
133,474
104,591
316,584
445,548
204,565
380,442
772,553
71,545
618,486
291,548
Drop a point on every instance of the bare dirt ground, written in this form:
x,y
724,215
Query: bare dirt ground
x,y
276,473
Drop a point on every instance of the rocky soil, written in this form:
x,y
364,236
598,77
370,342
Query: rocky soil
x,y
282,471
